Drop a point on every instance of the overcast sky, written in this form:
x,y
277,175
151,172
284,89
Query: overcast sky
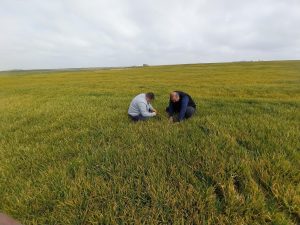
x,y
87,33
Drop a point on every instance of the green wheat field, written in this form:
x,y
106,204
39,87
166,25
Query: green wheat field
x,y
70,155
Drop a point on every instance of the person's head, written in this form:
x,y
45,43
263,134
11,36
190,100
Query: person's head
x,y
174,97
150,97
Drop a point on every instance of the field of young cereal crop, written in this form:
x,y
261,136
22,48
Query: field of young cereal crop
x,y
70,155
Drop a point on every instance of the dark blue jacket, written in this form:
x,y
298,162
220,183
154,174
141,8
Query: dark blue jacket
x,y
185,100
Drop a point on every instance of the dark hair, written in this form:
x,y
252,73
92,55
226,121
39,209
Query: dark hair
x,y
150,95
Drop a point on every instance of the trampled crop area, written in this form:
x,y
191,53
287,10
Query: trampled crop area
x,y
70,155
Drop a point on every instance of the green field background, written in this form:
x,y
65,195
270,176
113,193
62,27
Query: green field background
x,y
70,155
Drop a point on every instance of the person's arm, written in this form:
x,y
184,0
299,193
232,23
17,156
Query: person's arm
x,y
143,110
171,109
183,107
151,108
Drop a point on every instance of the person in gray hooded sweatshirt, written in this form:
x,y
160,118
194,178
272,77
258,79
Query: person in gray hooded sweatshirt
x,y
140,107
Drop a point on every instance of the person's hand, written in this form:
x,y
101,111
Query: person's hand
x,y
7,220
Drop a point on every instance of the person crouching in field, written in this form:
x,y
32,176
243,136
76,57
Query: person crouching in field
x,y
181,106
140,107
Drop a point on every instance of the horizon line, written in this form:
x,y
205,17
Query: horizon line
x,y
135,66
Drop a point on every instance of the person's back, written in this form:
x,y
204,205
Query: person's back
x,y
133,107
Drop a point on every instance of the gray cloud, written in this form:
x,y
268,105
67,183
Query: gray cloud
x,y
76,33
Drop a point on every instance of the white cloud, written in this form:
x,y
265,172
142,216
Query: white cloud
x,y
77,33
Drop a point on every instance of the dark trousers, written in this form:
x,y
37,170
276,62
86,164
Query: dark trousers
x,y
190,111
137,118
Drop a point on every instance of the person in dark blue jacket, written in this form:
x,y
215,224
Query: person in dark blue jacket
x,y
182,104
